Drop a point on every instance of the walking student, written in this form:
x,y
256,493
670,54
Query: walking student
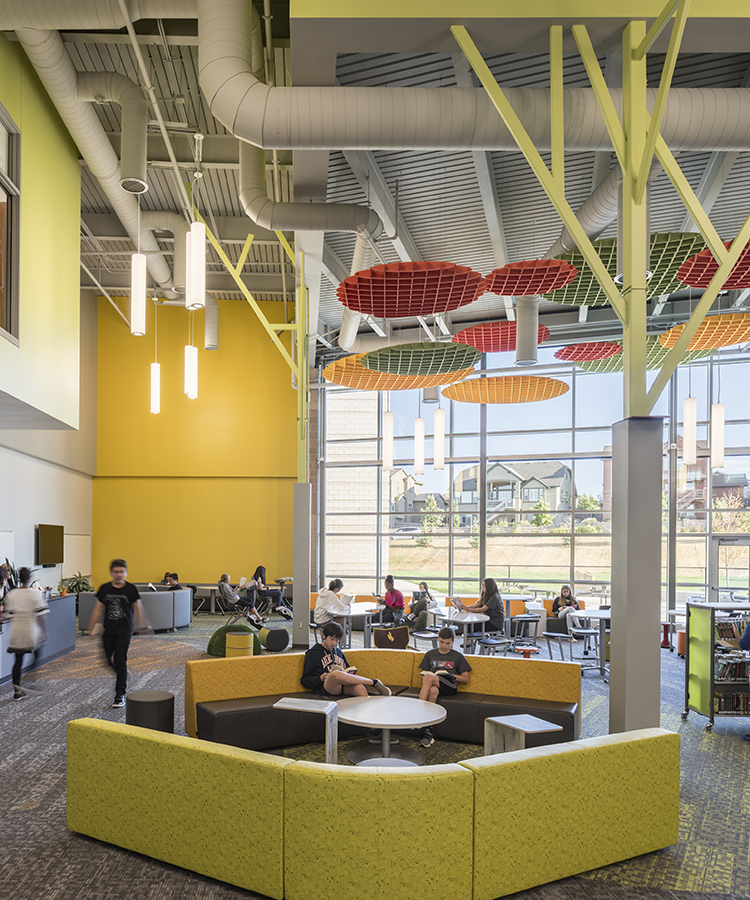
x,y
24,607
118,599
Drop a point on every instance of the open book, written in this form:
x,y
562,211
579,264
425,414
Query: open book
x,y
339,668
243,581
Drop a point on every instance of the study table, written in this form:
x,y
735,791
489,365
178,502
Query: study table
x,y
507,598
367,611
453,616
386,713
602,616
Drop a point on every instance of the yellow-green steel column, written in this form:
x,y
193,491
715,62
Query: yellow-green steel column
x,y
634,225
303,379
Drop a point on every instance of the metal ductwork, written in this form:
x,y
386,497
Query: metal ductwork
x,y
527,330
295,216
325,118
211,324
105,15
364,257
103,87
252,181
55,69
174,222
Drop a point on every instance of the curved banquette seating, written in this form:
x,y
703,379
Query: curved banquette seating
x,y
312,831
231,700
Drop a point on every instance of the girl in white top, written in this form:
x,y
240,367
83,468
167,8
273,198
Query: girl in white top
x,y
24,606
332,605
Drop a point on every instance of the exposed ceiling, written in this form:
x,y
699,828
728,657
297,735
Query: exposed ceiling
x,y
478,209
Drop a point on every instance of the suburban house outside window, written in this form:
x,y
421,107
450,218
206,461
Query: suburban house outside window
x,y
10,201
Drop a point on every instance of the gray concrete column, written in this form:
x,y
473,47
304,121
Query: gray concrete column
x,y
635,671
302,564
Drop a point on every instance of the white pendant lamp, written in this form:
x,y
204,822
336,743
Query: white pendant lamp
x,y
191,371
419,446
195,266
689,431
387,441
155,388
138,294
438,461
717,435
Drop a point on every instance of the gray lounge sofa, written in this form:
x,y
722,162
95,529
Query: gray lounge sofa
x,y
165,610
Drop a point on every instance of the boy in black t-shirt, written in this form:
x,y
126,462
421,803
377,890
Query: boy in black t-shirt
x,y
326,670
117,600
442,670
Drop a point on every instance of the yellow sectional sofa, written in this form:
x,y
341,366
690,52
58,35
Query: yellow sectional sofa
x,y
241,691
192,804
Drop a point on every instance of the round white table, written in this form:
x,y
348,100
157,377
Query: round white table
x,y
458,617
387,713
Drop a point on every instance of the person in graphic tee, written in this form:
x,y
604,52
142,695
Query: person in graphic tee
x,y
118,599
443,670
326,670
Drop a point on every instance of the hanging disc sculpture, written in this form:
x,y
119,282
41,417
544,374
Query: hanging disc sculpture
x,y
699,270
589,351
668,252
655,356
397,290
723,330
507,389
349,372
494,337
529,277
422,359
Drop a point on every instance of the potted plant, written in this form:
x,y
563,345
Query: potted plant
x,y
75,584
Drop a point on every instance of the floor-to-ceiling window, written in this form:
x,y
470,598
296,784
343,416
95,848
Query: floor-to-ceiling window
x,y
525,495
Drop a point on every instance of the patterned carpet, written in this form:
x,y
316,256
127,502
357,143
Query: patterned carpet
x,y
41,859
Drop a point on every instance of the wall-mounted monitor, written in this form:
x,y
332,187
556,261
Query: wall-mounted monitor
x,y
49,545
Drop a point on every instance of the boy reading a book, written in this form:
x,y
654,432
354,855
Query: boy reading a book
x,y
326,670
442,670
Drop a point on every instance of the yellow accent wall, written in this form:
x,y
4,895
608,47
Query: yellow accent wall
x,y
43,370
204,487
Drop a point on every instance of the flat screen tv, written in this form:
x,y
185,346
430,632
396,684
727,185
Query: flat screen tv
x,y
49,545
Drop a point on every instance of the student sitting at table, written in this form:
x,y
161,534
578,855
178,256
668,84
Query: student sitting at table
x,y
327,672
420,602
272,594
442,670
490,604
394,602
173,582
332,605
565,606
232,595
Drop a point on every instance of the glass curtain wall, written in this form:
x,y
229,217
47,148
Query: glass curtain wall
x,y
525,495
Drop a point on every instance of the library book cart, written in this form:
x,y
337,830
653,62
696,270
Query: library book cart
x,y
716,678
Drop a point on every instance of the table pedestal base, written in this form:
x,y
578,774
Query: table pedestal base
x,y
385,751
389,762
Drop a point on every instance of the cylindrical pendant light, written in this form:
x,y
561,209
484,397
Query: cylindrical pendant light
x,y
438,461
155,388
689,431
195,266
191,372
419,446
138,294
717,435
387,441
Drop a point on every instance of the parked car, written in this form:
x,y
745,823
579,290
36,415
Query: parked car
x,y
406,532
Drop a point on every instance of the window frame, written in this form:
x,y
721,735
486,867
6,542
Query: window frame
x,y
10,181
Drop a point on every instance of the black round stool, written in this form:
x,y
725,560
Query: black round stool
x,y
274,639
150,709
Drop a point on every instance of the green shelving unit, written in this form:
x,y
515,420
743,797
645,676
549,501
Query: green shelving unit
x,y
713,687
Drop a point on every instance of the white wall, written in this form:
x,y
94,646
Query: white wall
x,y
36,492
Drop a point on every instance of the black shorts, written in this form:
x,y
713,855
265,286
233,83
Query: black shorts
x,y
446,689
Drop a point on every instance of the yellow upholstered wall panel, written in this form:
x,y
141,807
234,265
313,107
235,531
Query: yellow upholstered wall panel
x,y
390,666
249,676
623,788
365,818
533,679
209,808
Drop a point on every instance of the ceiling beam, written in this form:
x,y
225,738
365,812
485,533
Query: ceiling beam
x,y
367,172
215,283
613,78
333,269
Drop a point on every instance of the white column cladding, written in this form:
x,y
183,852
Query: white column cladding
x,y
301,564
635,669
